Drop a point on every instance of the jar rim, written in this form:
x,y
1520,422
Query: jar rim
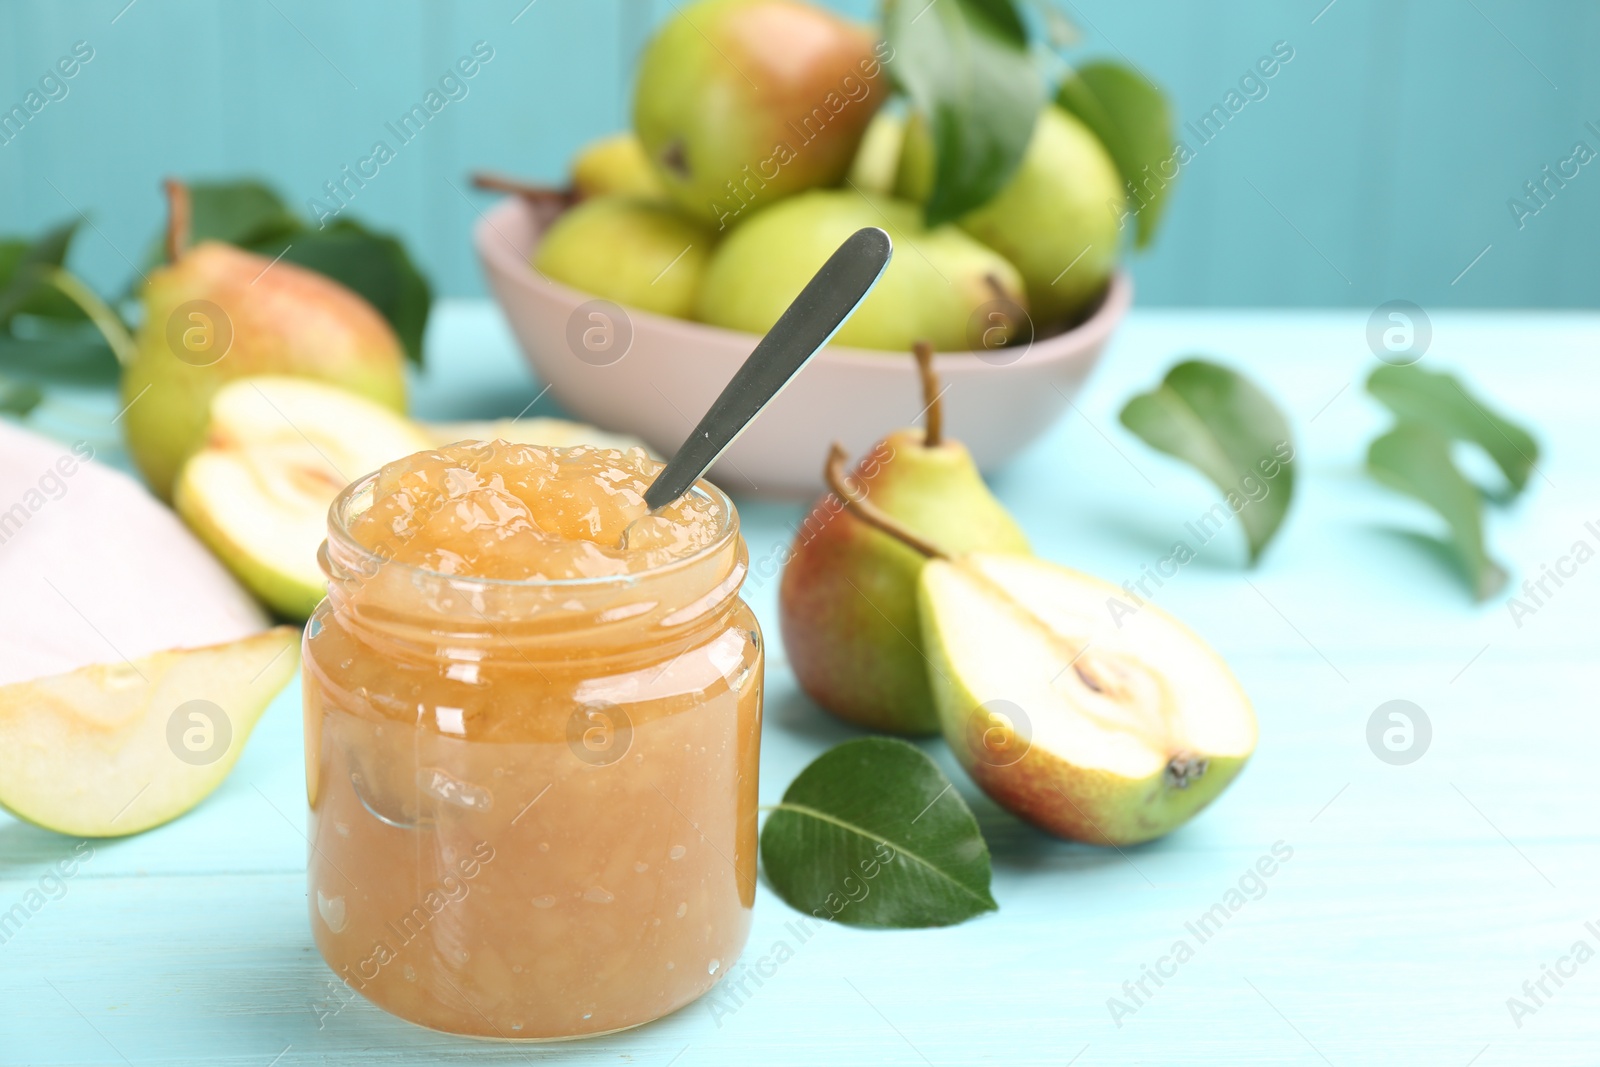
x,y
342,510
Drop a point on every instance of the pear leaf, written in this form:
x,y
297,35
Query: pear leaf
x,y
1439,401
1415,459
19,398
873,834
965,66
25,267
1132,118
66,356
373,265
1220,423
243,213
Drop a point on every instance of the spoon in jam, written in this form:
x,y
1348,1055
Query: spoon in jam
x,y
809,323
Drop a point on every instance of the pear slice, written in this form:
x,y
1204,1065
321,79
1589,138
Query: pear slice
x,y
119,629
1092,731
555,433
277,451
120,747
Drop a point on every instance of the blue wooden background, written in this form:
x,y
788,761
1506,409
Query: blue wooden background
x,y
1378,165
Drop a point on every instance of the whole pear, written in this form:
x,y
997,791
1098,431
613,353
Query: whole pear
x,y
741,102
215,313
616,165
847,605
636,252
1056,220
929,292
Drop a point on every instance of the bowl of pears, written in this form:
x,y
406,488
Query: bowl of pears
x,y
764,133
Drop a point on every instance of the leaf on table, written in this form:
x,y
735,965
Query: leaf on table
x,y
25,268
1439,401
1132,118
873,834
1415,459
1217,421
374,265
965,66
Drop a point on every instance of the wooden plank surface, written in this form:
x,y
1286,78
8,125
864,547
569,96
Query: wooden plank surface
x,y
1417,899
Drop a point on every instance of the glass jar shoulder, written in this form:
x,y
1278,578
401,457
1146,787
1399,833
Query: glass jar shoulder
x,y
495,692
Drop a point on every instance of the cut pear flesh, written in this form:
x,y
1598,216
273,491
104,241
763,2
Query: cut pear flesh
x,y
1090,730
118,748
278,450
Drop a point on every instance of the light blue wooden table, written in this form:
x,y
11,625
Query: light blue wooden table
x,y
1417,899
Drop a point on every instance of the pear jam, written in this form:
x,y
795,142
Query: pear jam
x,y
533,719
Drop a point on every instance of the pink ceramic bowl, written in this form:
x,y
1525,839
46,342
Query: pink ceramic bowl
x,y
633,372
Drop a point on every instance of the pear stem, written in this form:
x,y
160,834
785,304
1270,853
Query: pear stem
x,y
870,513
536,194
179,218
932,407
99,312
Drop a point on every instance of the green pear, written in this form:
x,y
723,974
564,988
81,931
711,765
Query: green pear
x,y
635,252
742,102
277,451
847,604
215,313
616,165
878,159
932,289
1098,727
1056,220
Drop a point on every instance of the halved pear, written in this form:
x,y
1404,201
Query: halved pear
x,y
277,451
117,748
557,433
1097,726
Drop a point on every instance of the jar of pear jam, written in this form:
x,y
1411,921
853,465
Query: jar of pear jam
x,y
531,742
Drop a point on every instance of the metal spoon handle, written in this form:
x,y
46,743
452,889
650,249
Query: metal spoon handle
x,y
809,323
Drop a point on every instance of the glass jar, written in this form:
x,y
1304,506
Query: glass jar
x,y
533,804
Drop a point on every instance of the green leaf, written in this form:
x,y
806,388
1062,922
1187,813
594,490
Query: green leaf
x,y
873,834
965,66
1220,423
19,398
1132,118
1415,459
79,357
25,268
374,265
1441,402
243,213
